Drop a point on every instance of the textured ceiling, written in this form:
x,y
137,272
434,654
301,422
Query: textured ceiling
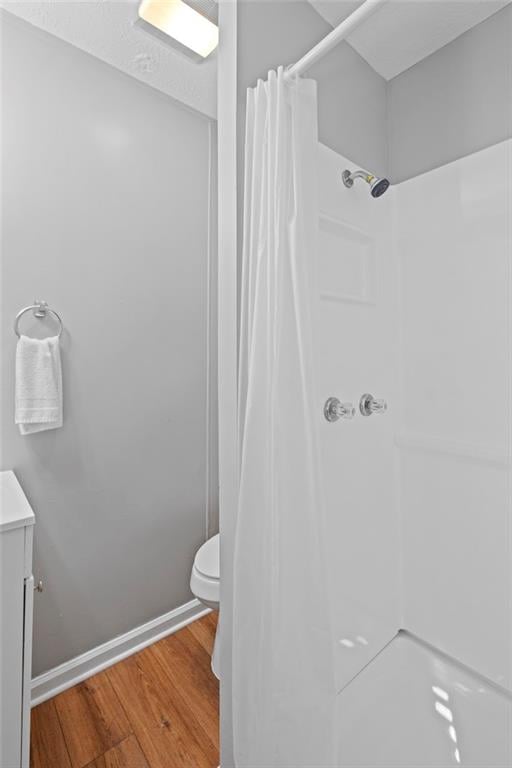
x,y
397,36
403,32
110,30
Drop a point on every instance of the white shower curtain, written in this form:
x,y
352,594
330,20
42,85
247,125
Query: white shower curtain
x,y
283,660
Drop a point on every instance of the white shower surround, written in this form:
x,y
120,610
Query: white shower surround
x,y
356,355
453,240
415,296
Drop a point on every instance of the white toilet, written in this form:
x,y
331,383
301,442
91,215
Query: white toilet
x,y
205,583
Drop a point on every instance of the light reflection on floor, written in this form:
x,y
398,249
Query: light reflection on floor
x,y
413,708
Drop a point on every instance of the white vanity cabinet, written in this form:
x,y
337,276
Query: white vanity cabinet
x,y
16,603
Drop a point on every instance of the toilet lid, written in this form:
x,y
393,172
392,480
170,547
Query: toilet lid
x,y
207,560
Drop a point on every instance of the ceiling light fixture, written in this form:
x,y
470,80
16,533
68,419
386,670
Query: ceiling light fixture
x,y
178,20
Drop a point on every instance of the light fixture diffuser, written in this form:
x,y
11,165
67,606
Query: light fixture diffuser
x,y
178,20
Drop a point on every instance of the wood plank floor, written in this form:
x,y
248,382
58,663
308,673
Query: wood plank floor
x,y
156,709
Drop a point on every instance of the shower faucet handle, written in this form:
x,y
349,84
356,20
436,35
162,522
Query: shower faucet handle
x,y
368,405
334,409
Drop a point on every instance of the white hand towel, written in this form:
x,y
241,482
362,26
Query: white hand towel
x,y
38,385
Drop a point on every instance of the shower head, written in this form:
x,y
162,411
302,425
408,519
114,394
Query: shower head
x,y
377,186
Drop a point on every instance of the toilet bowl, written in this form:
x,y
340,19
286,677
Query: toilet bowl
x,y
205,576
205,584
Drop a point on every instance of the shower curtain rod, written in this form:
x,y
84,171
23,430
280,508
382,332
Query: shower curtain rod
x,y
338,34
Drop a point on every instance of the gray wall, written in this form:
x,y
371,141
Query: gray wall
x,y
274,33
453,103
106,200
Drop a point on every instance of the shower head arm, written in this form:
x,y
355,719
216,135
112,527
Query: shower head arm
x,y
348,177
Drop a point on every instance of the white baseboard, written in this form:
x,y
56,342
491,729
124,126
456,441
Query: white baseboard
x,y
87,664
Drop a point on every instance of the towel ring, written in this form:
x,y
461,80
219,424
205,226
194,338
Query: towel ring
x,y
40,309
